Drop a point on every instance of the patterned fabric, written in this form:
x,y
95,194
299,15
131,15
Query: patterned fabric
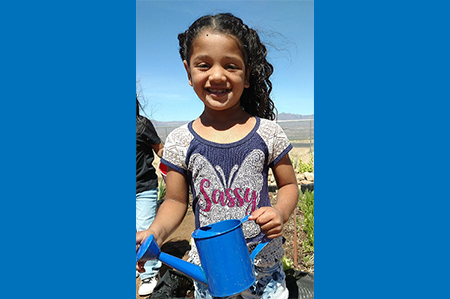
x,y
228,181
270,284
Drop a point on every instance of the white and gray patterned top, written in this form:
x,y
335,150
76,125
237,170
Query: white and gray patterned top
x,y
228,181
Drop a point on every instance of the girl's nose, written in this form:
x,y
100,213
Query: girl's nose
x,y
217,74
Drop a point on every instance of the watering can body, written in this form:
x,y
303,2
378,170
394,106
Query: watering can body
x,y
226,265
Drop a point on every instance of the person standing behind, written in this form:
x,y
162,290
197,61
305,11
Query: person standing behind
x,y
147,142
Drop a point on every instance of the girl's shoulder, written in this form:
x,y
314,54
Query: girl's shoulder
x,y
269,128
180,135
276,140
267,122
181,128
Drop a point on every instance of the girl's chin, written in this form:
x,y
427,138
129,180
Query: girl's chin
x,y
216,100
220,106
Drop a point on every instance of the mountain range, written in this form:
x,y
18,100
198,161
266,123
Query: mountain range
x,y
290,116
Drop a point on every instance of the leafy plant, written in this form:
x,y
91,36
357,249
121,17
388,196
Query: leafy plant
x,y
161,190
306,205
287,263
306,260
304,167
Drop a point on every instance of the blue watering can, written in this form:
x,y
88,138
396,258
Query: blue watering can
x,y
226,266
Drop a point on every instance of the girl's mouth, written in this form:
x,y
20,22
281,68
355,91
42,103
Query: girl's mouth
x,y
217,91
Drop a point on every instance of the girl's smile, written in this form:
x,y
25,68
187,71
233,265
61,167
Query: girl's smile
x,y
218,92
217,71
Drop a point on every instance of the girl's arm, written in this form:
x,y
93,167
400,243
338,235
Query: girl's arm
x,y
171,212
158,148
271,219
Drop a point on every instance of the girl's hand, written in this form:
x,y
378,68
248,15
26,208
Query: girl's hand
x,y
270,220
140,267
140,237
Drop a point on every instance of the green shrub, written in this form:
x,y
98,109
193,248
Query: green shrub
x,y
161,190
306,205
307,260
300,166
287,263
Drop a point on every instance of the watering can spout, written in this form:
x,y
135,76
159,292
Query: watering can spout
x,y
194,271
149,250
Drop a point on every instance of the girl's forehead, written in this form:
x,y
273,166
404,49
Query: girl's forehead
x,y
211,33
209,38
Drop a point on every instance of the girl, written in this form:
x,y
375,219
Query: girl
x,y
147,142
225,154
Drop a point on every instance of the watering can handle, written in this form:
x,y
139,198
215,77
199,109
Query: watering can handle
x,y
258,247
245,218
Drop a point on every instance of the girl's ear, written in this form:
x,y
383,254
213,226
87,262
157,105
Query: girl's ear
x,y
186,67
247,77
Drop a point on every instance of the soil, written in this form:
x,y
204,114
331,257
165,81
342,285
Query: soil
x,y
178,242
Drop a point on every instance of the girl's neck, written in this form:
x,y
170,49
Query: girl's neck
x,y
224,127
225,119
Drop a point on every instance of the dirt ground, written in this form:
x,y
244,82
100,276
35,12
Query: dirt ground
x,y
178,242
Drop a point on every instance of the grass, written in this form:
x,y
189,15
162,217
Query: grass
x,y
161,192
301,166
306,205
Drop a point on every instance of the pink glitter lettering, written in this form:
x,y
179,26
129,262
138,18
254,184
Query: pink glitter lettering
x,y
205,183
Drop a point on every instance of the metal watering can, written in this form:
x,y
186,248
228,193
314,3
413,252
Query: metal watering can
x,y
226,266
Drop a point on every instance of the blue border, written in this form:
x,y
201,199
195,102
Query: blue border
x,y
69,143
380,149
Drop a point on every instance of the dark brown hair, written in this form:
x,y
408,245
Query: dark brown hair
x,y
255,99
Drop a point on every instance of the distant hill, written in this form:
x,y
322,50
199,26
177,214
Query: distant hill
x,y
290,116
168,123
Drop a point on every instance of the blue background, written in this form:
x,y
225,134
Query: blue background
x,y
381,155
68,140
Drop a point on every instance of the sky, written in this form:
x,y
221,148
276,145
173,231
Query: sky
x,y
286,27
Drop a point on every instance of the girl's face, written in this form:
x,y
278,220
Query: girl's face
x,y
216,70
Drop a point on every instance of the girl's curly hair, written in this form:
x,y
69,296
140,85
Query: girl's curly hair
x,y
255,99
141,121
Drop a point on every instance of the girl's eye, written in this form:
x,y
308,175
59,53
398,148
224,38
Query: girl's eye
x,y
203,66
232,67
